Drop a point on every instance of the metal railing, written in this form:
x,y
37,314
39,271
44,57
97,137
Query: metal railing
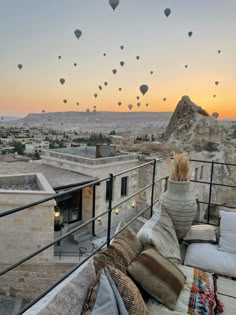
x,y
108,212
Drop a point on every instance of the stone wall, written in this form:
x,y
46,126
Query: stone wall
x,y
29,280
28,230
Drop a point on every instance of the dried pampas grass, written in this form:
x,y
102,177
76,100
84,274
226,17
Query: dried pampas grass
x,y
179,167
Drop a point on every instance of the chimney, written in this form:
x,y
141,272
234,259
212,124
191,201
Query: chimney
x,y
105,150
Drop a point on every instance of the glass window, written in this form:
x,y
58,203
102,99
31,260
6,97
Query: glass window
x,y
124,186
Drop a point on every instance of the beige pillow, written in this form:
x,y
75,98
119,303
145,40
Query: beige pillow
x,y
201,233
158,276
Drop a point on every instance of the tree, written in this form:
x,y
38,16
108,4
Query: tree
x,y
112,133
18,147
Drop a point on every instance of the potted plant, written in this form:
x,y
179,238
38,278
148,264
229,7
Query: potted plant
x,y
178,200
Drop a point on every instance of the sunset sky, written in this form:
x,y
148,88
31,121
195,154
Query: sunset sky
x,y
35,33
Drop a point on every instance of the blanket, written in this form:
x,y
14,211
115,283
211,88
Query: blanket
x,y
198,296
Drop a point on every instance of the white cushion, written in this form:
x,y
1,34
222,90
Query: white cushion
x,y
207,257
201,233
227,231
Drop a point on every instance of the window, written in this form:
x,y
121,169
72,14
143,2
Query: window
x,y
124,186
202,172
107,190
196,174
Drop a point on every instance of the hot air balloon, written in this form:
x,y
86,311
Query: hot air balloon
x,y
104,54
214,95
105,83
186,66
143,89
100,87
65,101
75,64
190,34
151,72
119,103
62,81
114,71
77,33
164,99
121,47
130,106
120,89
20,66
87,110
215,114
95,95
122,63
146,104
138,104
43,111
137,57
59,57
167,12
216,82
219,51
137,97
114,3
77,103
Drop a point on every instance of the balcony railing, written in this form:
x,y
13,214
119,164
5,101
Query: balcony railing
x,y
108,213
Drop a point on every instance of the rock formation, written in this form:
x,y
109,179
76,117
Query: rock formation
x,y
191,128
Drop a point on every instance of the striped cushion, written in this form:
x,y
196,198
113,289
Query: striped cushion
x,y
158,276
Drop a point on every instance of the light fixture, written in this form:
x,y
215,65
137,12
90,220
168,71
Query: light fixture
x,y
133,204
99,219
56,212
117,211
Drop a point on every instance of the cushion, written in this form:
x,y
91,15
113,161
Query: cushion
x,y
227,231
68,299
161,234
158,276
130,294
208,257
102,299
201,233
122,251
197,296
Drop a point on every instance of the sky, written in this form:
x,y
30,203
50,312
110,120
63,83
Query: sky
x,y
35,33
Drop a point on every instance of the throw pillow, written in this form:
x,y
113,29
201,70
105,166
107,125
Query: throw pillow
x,y
129,292
162,236
102,299
122,251
227,231
158,276
201,233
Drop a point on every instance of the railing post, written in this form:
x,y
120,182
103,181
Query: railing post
x,y
210,192
153,186
94,209
110,210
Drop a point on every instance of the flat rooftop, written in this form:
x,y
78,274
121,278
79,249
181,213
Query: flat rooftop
x,y
56,176
85,151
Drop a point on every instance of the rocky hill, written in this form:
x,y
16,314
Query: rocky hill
x,y
192,128
99,120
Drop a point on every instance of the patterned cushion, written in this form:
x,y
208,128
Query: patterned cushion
x,y
102,299
158,276
130,294
121,252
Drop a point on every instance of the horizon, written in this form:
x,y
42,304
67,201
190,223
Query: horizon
x,y
162,45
